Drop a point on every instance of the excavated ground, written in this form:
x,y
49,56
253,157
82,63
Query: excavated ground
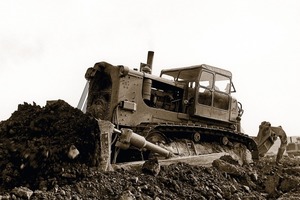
x,y
35,164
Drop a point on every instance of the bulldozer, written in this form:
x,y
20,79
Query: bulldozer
x,y
293,147
183,112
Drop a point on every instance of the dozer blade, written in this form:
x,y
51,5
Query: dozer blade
x,y
199,160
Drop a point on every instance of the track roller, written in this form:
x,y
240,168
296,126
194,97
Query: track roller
x,y
196,137
224,140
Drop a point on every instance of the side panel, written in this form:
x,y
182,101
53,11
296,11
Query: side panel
x,y
211,112
212,104
130,89
203,110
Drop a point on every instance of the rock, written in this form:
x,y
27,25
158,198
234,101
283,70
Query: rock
x,y
151,166
289,183
219,195
134,179
13,197
271,184
229,159
233,189
38,194
5,197
76,197
228,168
43,185
73,152
253,175
292,170
226,191
290,196
236,196
22,192
246,188
127,195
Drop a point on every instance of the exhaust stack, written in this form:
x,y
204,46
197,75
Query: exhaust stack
x,y
147,83
150,59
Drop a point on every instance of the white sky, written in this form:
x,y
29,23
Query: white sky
x,y
46,47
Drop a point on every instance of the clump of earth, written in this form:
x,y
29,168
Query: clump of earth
x,y
52,152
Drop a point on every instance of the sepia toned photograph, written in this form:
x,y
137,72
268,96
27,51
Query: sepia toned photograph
x,y
149,100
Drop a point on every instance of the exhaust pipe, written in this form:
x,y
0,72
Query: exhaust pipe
x,y
150,59
147,83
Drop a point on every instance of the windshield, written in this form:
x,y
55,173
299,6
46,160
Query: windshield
x,y
222,83
219,82
182,75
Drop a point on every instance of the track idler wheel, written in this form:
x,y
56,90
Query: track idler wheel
x,y
196,137
156,138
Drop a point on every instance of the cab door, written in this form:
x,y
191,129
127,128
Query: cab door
x,y
213,98
204,95
221,97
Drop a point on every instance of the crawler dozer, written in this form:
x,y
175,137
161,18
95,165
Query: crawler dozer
x,y
186,111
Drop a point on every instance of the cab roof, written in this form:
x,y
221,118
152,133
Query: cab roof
x,y
196,68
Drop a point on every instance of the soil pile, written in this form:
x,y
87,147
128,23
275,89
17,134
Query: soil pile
x,y
39,159
36,145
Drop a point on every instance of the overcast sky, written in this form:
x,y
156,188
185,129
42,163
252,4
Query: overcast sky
x,y
46,47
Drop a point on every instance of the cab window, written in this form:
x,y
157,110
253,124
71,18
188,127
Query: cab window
x,y
205,88
222,83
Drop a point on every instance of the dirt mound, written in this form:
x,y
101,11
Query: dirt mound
x,y
35,142
51,152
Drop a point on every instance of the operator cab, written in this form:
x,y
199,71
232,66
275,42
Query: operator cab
x,y
207,91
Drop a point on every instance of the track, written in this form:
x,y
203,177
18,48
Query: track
x,y
194,139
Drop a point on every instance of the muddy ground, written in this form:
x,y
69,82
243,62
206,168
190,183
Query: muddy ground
x,y
39,159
